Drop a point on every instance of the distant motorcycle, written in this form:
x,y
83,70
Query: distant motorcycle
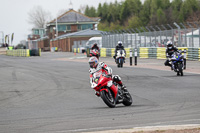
x,y
94,52
177,61
120,58
101,83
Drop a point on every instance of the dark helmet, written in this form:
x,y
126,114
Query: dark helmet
x,y
95,45
119,43
169,45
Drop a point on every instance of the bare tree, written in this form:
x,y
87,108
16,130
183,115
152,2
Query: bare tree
x,y
61,12
82,8
38,17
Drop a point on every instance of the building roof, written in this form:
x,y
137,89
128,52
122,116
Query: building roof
x,y
82,33
72,16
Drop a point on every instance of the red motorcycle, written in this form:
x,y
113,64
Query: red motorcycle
x,y
110,92
94,52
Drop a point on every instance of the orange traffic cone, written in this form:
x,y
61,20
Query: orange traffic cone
x,y
74,53
84,53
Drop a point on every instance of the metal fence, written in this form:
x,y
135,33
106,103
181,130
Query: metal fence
x,y
32,44
182,35
81,45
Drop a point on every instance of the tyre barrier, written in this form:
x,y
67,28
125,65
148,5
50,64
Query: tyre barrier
x,y
24,52
155,53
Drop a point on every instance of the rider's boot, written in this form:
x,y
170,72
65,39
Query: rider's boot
x,y
172,67
123,87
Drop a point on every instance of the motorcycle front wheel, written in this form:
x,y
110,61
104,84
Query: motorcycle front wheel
x,y
108,98
127,99
180,69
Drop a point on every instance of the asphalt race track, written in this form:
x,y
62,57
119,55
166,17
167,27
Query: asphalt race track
x,y
52,94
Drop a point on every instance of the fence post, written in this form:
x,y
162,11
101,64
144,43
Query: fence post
x,y
185,34
179,34
139,32
135,56
199,31
154,34
160,35
130,57
145,36
135,38
149,32
165,31
172,32
192,33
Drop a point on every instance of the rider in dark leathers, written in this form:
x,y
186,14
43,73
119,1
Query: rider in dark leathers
x,y
119,47
169,51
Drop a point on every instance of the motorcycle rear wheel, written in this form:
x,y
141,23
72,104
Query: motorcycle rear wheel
x,y
127,99
108,98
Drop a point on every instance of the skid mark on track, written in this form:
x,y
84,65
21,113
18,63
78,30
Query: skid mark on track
x,y
14,76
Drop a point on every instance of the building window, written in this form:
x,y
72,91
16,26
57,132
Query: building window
x,y
79,27
36,32
61,27
85,26
68,27
51,29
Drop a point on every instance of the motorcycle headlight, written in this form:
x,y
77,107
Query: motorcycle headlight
x,y
93,85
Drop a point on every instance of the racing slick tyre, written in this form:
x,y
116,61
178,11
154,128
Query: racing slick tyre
x,y
127,99
108,98
122,64
180,69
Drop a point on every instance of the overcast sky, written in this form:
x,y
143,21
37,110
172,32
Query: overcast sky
x,y
14,14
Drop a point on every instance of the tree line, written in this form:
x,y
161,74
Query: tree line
x,y
134,13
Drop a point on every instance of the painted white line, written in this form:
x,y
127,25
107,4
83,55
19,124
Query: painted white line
x,y
130,128
79,57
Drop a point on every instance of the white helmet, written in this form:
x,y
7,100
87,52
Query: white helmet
x,y
169,45
93,61
119,43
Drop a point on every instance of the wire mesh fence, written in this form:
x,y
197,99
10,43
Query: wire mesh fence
x,y
182,35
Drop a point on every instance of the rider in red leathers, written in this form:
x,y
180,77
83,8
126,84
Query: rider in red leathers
x,y
102,67
97,51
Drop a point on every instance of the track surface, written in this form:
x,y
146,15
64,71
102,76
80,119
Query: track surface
x,y
52,94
